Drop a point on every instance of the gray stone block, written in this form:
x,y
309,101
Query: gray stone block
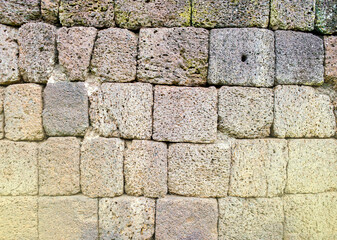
x,y
18,12
326,16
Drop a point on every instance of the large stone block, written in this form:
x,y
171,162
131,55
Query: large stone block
x,y
126,218
2,118
200,170
177,56
302,112
185,114
326,16
122,110
18,12
145,168
242,56
299,58
330,45
186,218
245,112
50,10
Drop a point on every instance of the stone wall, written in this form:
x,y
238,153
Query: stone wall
x,y
168,119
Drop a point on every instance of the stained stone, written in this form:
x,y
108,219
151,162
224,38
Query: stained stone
x,y
330,44
50,10
18,12
326,16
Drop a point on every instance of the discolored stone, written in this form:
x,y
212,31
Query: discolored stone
x,y
330,44
50,10
18,12
177,56
242,56
2,117
326,16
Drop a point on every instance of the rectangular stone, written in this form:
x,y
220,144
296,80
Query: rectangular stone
x,y
18,12
2,117
330,46
326,16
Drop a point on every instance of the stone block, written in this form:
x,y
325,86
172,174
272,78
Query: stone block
x,y
102,167
175,56
145,168
2,117
50,11
185,114
330,45
126,218
186,218
18,12
326,16
242,56
245,112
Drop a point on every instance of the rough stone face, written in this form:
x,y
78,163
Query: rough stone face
x,y
302,112
242,56
259,168
115,55
185,114
37,51
65,109
259,218
245,112
18,168
50,10
126,218
145,168
143,13
75,46
326,16
18,12
122,110
59,166
299,58
71,217
18,218
102,167
177,56
2,119
23,112
186,218
330,44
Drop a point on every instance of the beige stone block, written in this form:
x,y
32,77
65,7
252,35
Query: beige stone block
x,y
17,12
2,119
330,45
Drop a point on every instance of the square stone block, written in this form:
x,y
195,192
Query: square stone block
x,y
242,56
174,56
330,45
18,12
2,118
50,11
326,16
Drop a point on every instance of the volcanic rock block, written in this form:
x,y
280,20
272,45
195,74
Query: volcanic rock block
x,y
330,44
242,56
2,117
50,10
326,16
18,12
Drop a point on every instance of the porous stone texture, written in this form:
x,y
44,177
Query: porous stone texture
x,y
301,111
75,46
71,217
228,13
242,56
299,58
2,118
50,10
18,168
18,218
23,110
177,56
91,13
145,168
102,167
37,51
122,110
310,216
259,168
326,16
312,166
245,112
65,109
330,44
59,166
186,218
185,114
18,12
126,218
114,57
250,218
157,13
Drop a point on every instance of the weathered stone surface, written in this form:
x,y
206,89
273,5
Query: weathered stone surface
x,y
18,168
145,168
59,166
90,13
326,16
37,51
18,218
50,10
23,112
102,167
2,118
242,56
301,111
126,218
299,58
158,13
245,112
259,168
68,218
75,46
177,56
115,55
185,114
186,218
259,218
65,109
330,44
122,110
18,12
310,216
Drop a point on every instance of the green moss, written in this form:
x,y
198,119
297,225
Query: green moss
x,y
204,16
186,16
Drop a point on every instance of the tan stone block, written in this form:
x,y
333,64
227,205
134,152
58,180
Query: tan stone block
x,y
17,12
330,44
2,119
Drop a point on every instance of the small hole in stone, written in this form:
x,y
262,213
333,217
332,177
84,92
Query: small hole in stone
x,y
243,58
